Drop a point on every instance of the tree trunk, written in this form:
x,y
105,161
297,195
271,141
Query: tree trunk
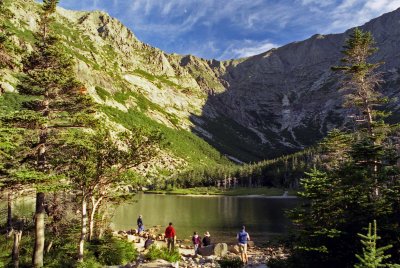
x,y
95,204
101,231
15,250
369,119
49,246
84,220
9,214
39,231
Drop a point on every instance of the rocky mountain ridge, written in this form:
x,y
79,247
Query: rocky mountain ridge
x,y
277,102
287,98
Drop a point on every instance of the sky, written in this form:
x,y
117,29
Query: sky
x,y
226,29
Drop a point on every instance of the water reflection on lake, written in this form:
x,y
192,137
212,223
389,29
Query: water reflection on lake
x,y
222,216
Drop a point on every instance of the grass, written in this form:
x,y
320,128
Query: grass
x,y
22,33
182,143
103,94
163,79
240,191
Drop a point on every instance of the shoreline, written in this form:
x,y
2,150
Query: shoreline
x,y
259,256
227,195
259,192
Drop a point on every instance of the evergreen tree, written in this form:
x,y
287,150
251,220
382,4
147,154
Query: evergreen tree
x,y
334,149
57,102
340,201
373,256
361,79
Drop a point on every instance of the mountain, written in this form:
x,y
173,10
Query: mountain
x,y
259,107
134,84
286,99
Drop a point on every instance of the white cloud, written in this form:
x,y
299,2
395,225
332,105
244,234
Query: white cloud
x,y
247,48
321,3
351,13
272,21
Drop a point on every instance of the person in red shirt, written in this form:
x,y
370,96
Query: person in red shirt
x,y
170,236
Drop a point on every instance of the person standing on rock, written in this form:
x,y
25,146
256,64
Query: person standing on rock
x,y
170,236
196,242
206,239
140,224
242,238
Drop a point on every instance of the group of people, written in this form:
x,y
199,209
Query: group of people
x,y
170,236
198,242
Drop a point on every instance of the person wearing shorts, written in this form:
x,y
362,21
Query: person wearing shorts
x,y
242,238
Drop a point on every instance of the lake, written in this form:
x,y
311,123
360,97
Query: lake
x,y
222,216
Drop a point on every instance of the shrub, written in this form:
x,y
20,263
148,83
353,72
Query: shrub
x,y
90,263
155,253
113,251
230,262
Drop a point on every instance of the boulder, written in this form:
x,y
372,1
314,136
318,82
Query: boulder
x,y
209,259
6,87
161,237
206,251
157,263
131,238
234,249
115,233
250,244
220,249
123,233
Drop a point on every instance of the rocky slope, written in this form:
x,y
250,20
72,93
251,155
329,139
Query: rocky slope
x,y
135,84
263,106
287,98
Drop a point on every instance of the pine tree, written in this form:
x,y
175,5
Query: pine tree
x,y
362,79
57,102
334,149
373,256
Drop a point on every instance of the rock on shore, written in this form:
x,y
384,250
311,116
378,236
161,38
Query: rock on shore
x,y
207,258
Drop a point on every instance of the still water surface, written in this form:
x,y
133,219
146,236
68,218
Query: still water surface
x,y
222,216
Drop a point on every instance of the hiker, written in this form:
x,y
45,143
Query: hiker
x,y
206,239
196,242
170,236
140,224
148,241
242,238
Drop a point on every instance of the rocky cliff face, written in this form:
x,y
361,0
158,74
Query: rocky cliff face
x,y
263,106
287,98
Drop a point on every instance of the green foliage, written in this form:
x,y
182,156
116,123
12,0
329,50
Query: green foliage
x,y
113,251
373,257
334,149
182,143
103,94
342,198
361,79
90,262
155,253
230,262
49,6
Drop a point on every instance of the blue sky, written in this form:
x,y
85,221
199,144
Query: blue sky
x,y
224,29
